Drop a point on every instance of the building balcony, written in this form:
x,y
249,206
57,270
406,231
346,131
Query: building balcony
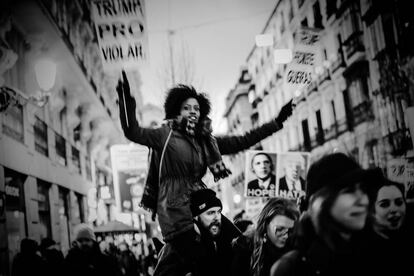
x,y
339,62
354,44
399,141
362,112
325,76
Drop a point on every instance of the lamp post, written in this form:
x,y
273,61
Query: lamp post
x,y
45,72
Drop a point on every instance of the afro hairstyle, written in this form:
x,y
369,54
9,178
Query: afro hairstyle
x,y
180,93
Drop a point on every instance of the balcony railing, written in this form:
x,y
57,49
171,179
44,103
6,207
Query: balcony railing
x,y
339,62
354,44
362,112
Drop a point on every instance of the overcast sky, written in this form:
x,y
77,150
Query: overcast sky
x,y
218,36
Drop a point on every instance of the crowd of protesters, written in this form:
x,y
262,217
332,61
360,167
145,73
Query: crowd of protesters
x,y
86,257
352,221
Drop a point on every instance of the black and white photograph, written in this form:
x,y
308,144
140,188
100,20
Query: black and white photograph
x,y
291,171
206,137
261,174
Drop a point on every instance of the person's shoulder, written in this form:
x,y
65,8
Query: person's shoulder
x,y
287,264
253,184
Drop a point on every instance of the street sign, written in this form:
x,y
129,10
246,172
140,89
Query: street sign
x,y
122,33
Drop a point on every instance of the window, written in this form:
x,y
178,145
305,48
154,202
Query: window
x,y
300,3
60,147
13,122
306,136
81,215
319,134
76,159
77,133
88,168
317,15
44,208
358,91
291,13
377,37
40,137
330,8
304,22
282,23
63,121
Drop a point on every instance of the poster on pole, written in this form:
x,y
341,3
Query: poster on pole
x,y
276,174
300,72
122,33
129,167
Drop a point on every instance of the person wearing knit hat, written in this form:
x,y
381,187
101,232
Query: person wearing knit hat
x,y
214,236
335,217
86,258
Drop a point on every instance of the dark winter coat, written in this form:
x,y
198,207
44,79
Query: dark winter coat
x,y
93,263
183,166
205,257
313,256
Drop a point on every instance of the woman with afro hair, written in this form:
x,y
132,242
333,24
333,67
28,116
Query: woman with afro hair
x,y
183,149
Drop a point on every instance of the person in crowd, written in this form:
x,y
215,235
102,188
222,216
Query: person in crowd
x,y
387,237
245,226
292,184
326,237
256,253
52,255
184,148
215,234
265,182
86,259
28,261
127,261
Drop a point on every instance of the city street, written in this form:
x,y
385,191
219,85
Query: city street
x,y
115,113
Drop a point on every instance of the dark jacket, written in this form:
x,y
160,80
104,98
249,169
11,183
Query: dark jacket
x,y
211,257
183,166
93,263
254,184
242,253
313,256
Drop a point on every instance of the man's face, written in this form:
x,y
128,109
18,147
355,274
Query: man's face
x,y
293,170
261,166
85,244
211,220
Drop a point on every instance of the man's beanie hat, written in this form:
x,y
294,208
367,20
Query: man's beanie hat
x,y
202,200
84,231
337,171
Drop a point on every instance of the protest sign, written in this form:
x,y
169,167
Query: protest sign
x,y
275,174
122,33
306,57
129,167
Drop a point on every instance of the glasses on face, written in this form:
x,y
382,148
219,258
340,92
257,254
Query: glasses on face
x,y
281,231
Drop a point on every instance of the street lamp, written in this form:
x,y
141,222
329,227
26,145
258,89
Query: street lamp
x,y
45,72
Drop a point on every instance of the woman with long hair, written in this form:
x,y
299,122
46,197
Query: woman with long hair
x,y
183,150
254,254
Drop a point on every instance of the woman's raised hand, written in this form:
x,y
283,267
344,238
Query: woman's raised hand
x,y
126,102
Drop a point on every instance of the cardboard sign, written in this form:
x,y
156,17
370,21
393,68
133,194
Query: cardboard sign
x,y
129,167
122,33
306,56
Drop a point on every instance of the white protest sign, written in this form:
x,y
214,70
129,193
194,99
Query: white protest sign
x,y
122,34
306,56
129,167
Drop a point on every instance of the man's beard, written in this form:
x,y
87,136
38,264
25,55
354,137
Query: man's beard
x,y
214,228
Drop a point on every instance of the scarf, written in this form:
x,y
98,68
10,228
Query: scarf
x,y
202,132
